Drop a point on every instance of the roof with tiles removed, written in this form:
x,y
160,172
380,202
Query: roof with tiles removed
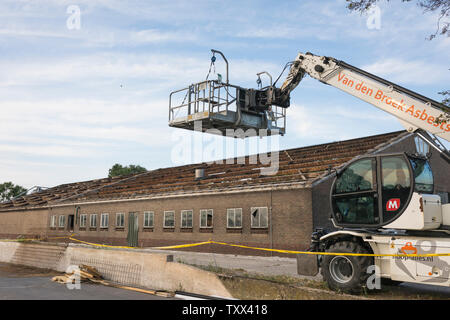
x,y
300,166
63,191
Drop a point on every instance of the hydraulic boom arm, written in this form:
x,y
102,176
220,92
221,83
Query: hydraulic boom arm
x,y
412,109
416,112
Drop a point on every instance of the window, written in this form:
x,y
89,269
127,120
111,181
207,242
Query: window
x,y
93,222
421,146
169,219
83,219
149,217
395,173
120,220
357,177
53,221
360,209
396,186
234,218
259,217
62,221
354,194
104,222
423,176
206,218
374,191
186,218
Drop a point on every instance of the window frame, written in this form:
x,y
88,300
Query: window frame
x,y
53,221
414,178
152,215
233,210
374,164
83,220
93,215
259,219
164,221
376,192
120,214
191,211
381,195
212,218
63,219
102,224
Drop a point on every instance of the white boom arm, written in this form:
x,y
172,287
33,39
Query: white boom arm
x,y
414,111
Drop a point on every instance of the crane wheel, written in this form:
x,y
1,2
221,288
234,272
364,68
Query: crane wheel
x,y
346,273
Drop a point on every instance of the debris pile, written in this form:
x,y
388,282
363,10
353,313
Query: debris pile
x,y
86,273
90,274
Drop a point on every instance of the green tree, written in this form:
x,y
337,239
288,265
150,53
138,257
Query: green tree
x,y
119,170
9,190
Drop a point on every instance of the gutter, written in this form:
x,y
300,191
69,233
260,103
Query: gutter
x,y
295,185
281,186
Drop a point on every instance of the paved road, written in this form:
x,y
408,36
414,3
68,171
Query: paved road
x,y
25,283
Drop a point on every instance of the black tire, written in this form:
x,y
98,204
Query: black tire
x,y
346,273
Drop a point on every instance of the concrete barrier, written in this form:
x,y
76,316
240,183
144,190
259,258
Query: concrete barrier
x,y
125,266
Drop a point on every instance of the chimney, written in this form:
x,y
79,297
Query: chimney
x,y
199,174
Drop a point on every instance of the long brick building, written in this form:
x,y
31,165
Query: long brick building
x,y
232,203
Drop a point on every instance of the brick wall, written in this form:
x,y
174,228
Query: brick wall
x,y
23,223
290,226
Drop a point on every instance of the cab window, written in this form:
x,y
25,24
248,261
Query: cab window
x,y
396,186
357,177
357,209
423,176
354,197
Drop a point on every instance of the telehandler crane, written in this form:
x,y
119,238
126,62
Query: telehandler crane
x,y
381,204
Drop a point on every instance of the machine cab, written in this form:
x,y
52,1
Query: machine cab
x,y
373,191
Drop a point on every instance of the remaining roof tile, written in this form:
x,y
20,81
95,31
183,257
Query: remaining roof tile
x,y
299,165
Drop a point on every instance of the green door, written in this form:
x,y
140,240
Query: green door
x,y
133,229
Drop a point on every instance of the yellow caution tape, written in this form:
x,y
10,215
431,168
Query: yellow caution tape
x,y
249,247
335,253
183,245
17,240
101,245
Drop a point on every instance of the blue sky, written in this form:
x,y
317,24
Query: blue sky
x,y
75,101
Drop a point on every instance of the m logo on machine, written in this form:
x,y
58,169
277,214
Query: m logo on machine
x,y
393,204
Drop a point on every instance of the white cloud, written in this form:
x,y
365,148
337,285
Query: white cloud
x,y
409,72
82,119
47,150
155,35
333,123
169,71
34,33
